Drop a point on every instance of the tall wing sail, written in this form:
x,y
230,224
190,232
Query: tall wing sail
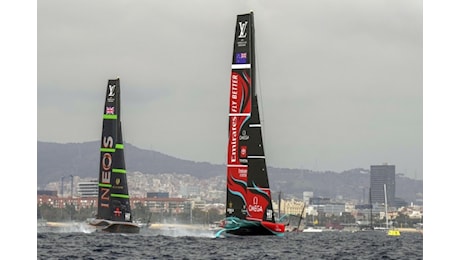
x,y
110,124
248,193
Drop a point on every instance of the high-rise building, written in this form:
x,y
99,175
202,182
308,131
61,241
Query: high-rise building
x,y
380,175
88,189
307,195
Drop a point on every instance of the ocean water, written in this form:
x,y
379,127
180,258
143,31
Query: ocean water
x,y
78,243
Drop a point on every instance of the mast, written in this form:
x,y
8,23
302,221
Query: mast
x,y
370,203
301,215
386,207
279,205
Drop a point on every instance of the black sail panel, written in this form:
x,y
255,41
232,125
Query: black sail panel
x,y
121,210
258,186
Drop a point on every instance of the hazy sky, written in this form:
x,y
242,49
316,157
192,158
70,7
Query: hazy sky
x,y
340,82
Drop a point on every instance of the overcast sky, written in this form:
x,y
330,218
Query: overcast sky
x,y
340,82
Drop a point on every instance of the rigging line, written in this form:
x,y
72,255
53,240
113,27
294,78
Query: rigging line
x,y
259,91
259,87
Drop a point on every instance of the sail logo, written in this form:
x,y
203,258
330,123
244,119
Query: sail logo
x,y
230,209
111,94
233,139
269,214
243,26
117,184
234,94
244,136
244,211
243,151
112,90
117,212
255,207
106,165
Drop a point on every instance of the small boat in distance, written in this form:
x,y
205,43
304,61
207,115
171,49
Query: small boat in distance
x,y
249,209
391,231
312,230
113,206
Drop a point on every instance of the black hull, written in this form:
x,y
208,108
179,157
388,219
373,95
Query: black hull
x,y
251,231
239,227
116,226
122,228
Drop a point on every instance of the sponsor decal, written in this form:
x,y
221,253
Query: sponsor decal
x,y
112,90
243,151
117,184
255,207
110,110
243,27
244,136
230,209
269,214
241,58
242,43
111,95
242,160
117,212
243,173
233,138
244,211
106,163
234,94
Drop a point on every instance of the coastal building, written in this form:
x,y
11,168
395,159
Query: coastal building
x,y
288,207
307,195
156,194
88,189
380,175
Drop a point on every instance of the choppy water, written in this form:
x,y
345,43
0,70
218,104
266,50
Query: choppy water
x,y
149,244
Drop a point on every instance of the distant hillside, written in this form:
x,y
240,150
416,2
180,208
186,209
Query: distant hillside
x,y
81,159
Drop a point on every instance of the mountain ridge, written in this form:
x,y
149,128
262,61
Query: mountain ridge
x,y
55,160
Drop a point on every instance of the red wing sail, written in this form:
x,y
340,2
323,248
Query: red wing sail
x,y
248,191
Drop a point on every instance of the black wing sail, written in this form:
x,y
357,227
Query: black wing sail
x,y
114,210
